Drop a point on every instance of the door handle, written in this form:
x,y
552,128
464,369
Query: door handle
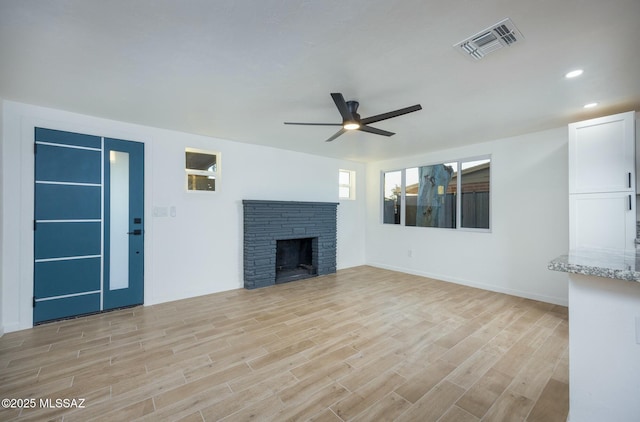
x,y
136,232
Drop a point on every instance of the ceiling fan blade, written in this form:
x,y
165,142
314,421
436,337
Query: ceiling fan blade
x,y
375,130
390,114
313,124
335,135
342,106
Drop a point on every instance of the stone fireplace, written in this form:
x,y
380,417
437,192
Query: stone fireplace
x,y
286,241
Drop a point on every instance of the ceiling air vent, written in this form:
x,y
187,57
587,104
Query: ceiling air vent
x,y
502,34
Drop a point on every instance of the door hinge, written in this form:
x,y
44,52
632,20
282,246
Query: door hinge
x,y
35,148
34,301
34,225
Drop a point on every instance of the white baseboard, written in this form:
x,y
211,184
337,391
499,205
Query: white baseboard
x,y
483,286
10,328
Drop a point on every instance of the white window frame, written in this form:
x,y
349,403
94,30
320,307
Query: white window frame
x,y
211,174
402,196
458,196
351,185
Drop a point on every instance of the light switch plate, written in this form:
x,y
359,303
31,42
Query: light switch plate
x,y
160,211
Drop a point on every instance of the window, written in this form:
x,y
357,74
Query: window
x,y
346,184
392,194
475,188
430,198
430,195
202,169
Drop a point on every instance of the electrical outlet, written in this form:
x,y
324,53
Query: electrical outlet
x,y
410,253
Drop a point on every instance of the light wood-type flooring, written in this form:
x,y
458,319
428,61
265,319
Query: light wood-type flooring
x,y
365,344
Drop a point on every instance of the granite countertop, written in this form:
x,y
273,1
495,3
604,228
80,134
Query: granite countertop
x,y
620,265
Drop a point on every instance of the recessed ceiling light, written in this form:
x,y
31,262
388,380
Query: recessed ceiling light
x,y
590,105
574,74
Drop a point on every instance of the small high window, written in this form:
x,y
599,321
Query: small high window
x,y
346,184
202,170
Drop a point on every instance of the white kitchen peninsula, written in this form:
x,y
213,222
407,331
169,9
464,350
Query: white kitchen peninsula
x,y
604,334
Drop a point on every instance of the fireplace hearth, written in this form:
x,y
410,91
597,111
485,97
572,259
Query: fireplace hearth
x,y
273,230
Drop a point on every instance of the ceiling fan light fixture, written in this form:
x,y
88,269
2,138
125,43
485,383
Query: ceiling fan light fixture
x,y
574,74
351,119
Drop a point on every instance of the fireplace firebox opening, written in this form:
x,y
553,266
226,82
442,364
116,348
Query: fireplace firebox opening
x,y
295,259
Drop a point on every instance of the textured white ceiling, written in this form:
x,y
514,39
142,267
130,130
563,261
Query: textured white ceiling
x,y
238,69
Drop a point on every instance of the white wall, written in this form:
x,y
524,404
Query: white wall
x,y
529,221
199,251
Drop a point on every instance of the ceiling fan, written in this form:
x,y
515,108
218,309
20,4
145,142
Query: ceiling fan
x,y
351,119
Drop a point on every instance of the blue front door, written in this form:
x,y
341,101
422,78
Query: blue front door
x,y
74,259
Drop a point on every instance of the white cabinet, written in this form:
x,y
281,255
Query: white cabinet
x,y
602,220
602,181
602,154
